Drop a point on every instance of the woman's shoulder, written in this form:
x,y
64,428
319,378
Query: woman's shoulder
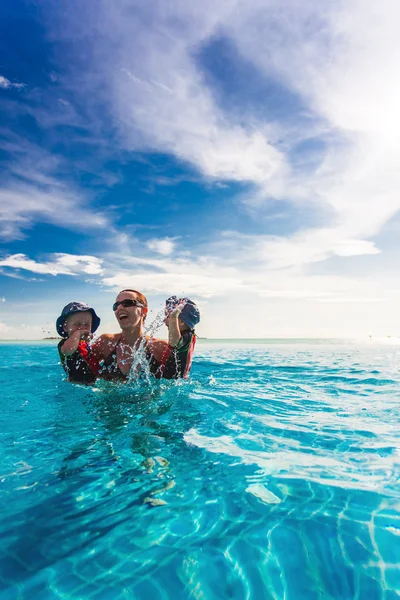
x,y
109,336
157,347
105,343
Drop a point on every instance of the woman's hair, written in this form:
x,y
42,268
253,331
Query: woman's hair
x,y
141,297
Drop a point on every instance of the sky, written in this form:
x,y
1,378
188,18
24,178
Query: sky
x,y
243,154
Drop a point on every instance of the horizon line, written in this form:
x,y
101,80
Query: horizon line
x,y
201,338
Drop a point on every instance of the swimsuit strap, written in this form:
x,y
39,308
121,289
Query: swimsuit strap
x,y
110,365
114,350
118,342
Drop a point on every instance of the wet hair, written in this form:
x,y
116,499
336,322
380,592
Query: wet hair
x,y
141,297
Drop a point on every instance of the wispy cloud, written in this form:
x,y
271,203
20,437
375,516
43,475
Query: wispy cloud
x,y
21,206
163,246
204,286
203,276
4,328
158,94
340,59
31,192
247,300
25,331
6,84
238,267
144,63
62,264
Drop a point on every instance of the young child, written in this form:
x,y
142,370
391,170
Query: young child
x,y
181,316
76,323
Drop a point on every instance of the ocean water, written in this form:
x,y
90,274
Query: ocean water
x,y
274,473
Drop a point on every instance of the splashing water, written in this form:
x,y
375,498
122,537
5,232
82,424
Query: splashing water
x,y
140,369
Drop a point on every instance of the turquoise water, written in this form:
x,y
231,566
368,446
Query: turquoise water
x,y
273,474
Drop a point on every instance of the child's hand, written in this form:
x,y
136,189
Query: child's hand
x,y
85,336
72,342
175,312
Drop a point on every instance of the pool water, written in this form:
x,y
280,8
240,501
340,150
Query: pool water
x,y
274,473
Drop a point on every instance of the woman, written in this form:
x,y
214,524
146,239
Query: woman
x,y
117,352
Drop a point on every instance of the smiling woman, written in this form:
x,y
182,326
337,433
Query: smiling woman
x,y
119,352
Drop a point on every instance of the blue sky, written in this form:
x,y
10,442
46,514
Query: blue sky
x,y
243,154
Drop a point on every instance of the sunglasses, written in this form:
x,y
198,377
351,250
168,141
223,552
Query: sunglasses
x,y
127,303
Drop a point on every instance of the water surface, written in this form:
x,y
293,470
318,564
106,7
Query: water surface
x,y
274,473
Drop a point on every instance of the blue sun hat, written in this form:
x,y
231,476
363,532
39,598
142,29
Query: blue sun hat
x,y
190,313
72,308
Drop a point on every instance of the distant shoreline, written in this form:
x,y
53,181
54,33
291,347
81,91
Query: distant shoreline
x,y
272,340
49,339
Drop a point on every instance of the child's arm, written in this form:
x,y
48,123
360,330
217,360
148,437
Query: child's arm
x,y
71,344
174,331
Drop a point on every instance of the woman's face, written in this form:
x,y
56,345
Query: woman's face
x,y
129,316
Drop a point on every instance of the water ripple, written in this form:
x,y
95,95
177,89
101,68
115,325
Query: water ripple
x,y
274,473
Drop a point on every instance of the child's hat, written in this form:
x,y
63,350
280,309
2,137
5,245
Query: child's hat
x,y
190,313
70,309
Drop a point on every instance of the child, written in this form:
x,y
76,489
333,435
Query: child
x,y
76,323
181,316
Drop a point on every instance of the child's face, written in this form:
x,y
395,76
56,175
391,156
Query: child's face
x,y
80,321
182,325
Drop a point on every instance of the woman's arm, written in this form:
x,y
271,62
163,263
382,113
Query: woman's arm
x,y
157,348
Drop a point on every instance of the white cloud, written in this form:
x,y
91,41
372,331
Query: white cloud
x,y
88,264
173,283
163,246
355,248
63,264
354,300
21,205
181,274
24,331
237,269
29,192
181,117
159,95
340,59
236,299
4,328
6,84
